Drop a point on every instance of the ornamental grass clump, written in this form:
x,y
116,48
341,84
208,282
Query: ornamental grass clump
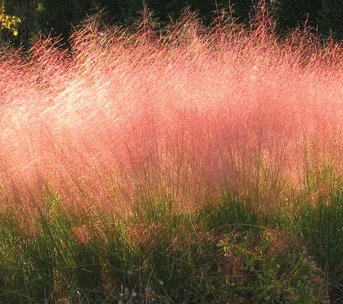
x,y
130,140
185,113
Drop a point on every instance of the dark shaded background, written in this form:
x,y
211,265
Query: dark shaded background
x,y
57,17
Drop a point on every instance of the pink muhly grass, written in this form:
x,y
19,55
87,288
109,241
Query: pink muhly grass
x,y
184,115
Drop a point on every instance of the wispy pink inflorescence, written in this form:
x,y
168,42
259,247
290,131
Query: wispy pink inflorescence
x,y
184,115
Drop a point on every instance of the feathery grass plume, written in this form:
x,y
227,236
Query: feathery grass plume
x,y
154,126
186,114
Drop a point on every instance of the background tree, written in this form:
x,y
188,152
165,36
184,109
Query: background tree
x,y
294,13
8,26
330,18
25,10
56,18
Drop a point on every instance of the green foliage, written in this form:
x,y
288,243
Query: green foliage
x,y
24,10
321,228
232,214
155,255
8,22
267,267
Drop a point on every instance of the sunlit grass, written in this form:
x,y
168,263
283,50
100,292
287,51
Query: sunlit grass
x,y
168,165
